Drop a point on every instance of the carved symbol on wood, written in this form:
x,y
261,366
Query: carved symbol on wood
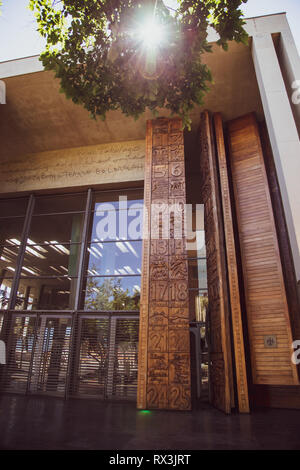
x,y
160,155
177,247
159,291
176,138
178,268
178,317
179,340
158,339
159,247
160,139
179,397
158,314
179,370
176,153
178,291
158,268
157,396
176,169
158,368
177,187
159,188
160,171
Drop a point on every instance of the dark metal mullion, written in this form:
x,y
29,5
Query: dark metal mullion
x,y
70,356
45,214
84,243
20,258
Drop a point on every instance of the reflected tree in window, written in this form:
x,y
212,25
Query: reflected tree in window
x,y
108,294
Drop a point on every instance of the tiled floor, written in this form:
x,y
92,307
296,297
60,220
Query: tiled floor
x,y
51,423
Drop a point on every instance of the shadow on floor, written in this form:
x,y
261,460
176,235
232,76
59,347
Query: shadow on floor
x,y
51,423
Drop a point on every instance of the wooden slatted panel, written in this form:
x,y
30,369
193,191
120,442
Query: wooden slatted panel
x,y
220,354
235,304
267,310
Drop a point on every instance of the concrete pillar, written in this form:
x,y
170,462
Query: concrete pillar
x,y
283,134
290,64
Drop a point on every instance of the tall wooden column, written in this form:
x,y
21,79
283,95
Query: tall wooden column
x,y
221,380
164,348
233,281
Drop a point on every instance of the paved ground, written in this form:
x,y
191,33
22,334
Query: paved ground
x,y
51,423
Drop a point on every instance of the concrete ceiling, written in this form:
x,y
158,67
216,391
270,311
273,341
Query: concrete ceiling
x,y
37,117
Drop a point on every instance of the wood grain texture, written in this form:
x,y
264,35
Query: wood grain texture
x,y
164,347
283,237
220,372
235,304
266,302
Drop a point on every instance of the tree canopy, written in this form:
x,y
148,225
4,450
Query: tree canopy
x,y
134,54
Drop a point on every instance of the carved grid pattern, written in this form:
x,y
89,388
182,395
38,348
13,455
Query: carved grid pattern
x,y
164,362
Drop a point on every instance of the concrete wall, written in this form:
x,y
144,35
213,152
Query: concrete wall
x,y
92,165
280,117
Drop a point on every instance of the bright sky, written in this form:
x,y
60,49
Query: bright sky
x,y
18,36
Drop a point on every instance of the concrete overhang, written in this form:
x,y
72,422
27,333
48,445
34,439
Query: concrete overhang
x,y
37,117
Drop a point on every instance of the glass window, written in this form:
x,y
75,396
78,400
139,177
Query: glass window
x,y
56,229
12,212
46,293
198,297
51,260
62,203
114,258
114,252
13,207
49,274
117,217
11,230
112,293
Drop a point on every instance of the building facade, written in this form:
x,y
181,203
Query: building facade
x,y
140,262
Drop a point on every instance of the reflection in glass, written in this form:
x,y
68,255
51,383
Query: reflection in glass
x,y
198,305
11,231
55,229
93,356
13,207
115,258
112,293
21,350
51,354
113,197
62,203
51,260
8,259
46,293
117,220
198,273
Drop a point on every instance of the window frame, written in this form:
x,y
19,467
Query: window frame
x,y
83,253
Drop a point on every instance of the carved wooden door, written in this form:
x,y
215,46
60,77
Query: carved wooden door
x,y
221,382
